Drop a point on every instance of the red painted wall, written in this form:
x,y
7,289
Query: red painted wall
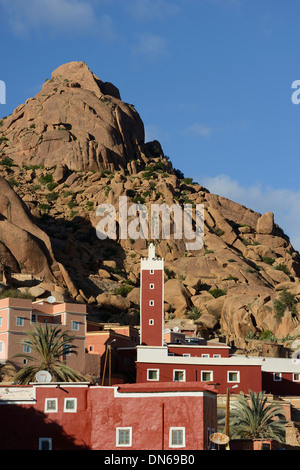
x,y
195,351
99,413
250,376
284,387
152,335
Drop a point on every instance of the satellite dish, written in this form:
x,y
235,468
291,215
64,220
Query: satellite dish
x,y
166,331
43,376
219,438
51,299
176,329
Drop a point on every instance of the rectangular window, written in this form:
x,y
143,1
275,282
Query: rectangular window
x,y
26,348
45,443
153,374
277,377
186,355
205,355
51,405
151,271
296,377
70,405
179,376
20,321
233,376
151,303
0,321
151,286
177,437
75,325
67,350
1,346
124,437
151,322
216,356
33,318
206,376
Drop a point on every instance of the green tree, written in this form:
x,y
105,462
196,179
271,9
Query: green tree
x,y
255,418
49,345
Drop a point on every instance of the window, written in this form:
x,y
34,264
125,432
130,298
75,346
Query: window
x,y
45,443
91,348
70,405
233,376
124,437
67,350
152,374
205,355
33,318
216,356
177,437
20,321
151,303
0,321
51,405
26,348
75,325
206,376
179,375
151,271
1,346
296,377
277,377
25,362
151,322
151,286
186,355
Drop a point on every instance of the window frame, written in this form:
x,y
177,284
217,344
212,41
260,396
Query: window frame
x,y
153,370
296,373
47,400
66,410
279,378
77,323
211,372
237,372
21,321
45,439
177,446
179,370
151,303
124,428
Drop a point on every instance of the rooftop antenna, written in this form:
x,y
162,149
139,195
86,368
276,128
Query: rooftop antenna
x,y
51,299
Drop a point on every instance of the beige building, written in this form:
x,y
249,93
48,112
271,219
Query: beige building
x,y
17,316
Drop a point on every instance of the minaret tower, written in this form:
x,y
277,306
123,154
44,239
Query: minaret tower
x,y
152,299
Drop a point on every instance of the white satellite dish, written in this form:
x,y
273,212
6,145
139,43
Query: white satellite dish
x,y
51,299
176,329
43,376
166,331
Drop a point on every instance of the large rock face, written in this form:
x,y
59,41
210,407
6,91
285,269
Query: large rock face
x,y
76,145
76,120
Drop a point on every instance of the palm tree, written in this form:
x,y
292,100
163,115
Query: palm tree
x,y
49,345
256,419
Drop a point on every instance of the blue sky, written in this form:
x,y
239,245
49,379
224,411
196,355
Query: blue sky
x,y
211,80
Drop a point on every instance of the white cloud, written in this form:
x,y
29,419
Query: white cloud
x,y
284,203
197,129
55,16
150,47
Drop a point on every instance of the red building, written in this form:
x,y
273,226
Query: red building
x,y
69,416
174,358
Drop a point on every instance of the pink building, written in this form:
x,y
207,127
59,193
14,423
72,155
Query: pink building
x,y
17,316
69,416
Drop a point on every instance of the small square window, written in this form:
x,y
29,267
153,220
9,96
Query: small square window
x,y
26,348
70,405
51,405
233,376
124,437
151,286
206,376
151,271
296,377
75,325
151,303
20,321
151,322
179,376
153,374
277,377
177,437
45,443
